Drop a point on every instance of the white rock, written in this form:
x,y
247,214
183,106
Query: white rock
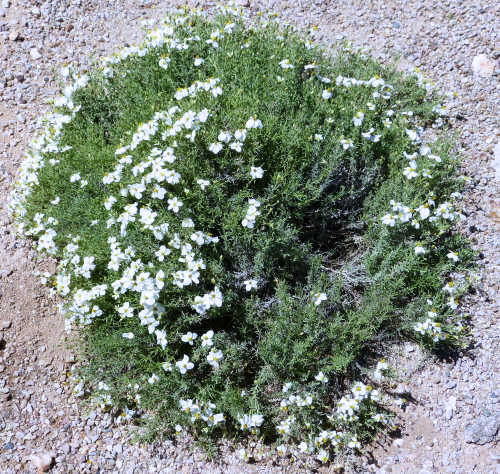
x,y
42,461
496,161
35,54
483,66
450,407
398,442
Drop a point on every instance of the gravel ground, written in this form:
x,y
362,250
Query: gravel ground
x,y
452,423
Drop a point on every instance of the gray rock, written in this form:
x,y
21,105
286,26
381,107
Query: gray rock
x,y
451,384
35,54
483,430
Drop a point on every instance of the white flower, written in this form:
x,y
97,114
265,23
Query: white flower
x,y
253,122
147,216
303,447
251,214
167,366
354,443
181,93
389,219
164,62
256,420
452,303
358,118
412,134
224,137
172,177
281,450
153,379
162,252
346,143
419,249
206,339
203,183
161,338
240,134
323,456
450,288
158,192
189,337
243,455
284,427
318,298
174,204
286,64
321,377
318,137
236,146
214,357
102,386
198,61
379,418
326,94
250,285
453,256
382,365
215,148
126,311
436,158
256,172
399,402
424,211
109,201
74,178
216,91
184,365
411,170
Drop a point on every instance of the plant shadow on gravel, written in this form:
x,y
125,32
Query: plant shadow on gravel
x,y
286,265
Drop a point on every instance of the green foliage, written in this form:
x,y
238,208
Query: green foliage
x,y
319,230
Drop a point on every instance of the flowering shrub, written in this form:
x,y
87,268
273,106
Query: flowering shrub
x,y
237,219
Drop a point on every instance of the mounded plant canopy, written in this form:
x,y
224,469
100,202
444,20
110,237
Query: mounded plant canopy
x,y
238,219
